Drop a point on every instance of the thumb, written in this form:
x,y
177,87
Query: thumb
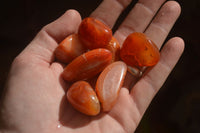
x,y
44,44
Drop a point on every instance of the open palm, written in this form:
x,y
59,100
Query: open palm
x,y
34,100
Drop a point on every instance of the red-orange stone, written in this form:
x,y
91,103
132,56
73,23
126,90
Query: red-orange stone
x,y
87,65
94,34
83,98
138,50
109,84
114,47
69,48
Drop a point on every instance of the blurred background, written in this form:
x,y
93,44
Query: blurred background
x,y
175,109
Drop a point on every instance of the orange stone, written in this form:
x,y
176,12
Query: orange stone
x,y
109,84
87,65
114,47
94,34
138,50
83,98
69,48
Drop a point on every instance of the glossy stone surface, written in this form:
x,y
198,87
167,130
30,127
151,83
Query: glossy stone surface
x,y
87,65
138,50
94,34
83,98
69,48
109,84
114,47
135,71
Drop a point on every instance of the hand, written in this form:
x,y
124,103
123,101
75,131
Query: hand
x,y
35,101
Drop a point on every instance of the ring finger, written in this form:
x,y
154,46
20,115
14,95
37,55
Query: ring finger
x,y
157,30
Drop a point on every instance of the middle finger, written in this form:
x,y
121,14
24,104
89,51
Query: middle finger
x,y
139,18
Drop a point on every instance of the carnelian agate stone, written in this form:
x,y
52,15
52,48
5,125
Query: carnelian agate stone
x,y
109,84
69,49
87,65
138,50
83,98
114,47
94,34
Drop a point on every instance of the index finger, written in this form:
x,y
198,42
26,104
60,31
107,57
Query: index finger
x,y
109,10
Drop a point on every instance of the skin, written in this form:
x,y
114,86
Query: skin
x,y
34,99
